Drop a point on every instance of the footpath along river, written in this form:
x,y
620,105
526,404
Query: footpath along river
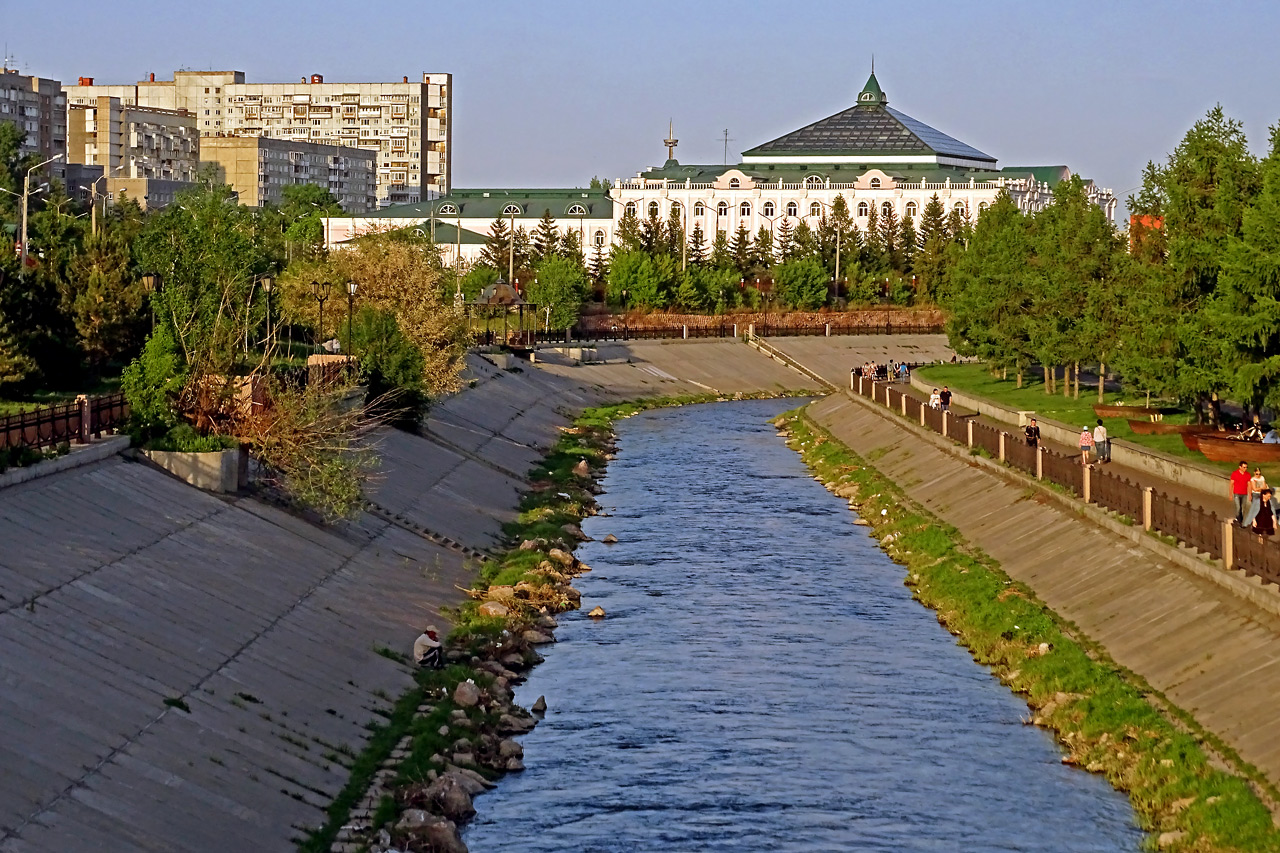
x,y
764,681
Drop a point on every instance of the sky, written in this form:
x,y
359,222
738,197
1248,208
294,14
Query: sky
x,y
554,92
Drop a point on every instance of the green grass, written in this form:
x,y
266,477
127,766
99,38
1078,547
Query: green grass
x,y
49,397
1107,719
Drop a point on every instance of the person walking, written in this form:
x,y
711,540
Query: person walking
x,y
944,399
1101,443
1086,445
934,399
1240,490
1257,485
1264,523
1033,433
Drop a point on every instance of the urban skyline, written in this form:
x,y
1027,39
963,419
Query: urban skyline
x,y
554,94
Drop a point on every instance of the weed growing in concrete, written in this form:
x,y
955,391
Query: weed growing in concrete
x,y
176,702
1105,718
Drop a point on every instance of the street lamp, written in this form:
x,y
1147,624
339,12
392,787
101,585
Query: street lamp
x,y
351,299
93,191
321,292
265,281
839,231
151,284
26,191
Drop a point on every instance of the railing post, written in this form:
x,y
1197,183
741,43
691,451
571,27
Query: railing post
x,y
1146,508
686,331
735,330
946,420
923,406
751,331
1039,462
969,424
1087,478
904,404
828,330
86,418
1002,446
873,390
1228,544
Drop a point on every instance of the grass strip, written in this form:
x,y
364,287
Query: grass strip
x,y
1105,717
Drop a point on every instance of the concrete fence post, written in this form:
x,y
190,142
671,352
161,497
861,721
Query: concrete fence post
x,y
873,390
86,418
1146,507
686,333
946,421
751,331
969,430
1087,478
1228,544
828,330
922,408
1039,462
1002,435
904,405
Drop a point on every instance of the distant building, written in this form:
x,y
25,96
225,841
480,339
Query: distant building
x,y
259,168
39,107
408,125
132,141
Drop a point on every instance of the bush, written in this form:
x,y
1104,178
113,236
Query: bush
x,y
184,439
151,385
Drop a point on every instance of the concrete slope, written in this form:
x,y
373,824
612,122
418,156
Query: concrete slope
x,y
1212,653
123,588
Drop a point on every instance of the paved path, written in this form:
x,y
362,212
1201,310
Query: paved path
x,y
1212,653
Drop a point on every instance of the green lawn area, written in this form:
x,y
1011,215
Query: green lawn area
x,y
975,380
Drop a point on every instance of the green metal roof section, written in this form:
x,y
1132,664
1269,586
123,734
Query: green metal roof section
x,y
446,233
872,93
491,203
767,173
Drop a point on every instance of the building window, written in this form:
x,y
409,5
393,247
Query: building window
x,y
911,209
767,210
875,183
745,208
792,209
511,210
576,210
815,209
722,209
699,209
449,210
598,238
960,207
734,183
863,209
814,181
982,207
886,210
631,208
653,209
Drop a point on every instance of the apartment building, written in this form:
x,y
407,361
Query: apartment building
x,y
132,141
39,107
260,167
407,124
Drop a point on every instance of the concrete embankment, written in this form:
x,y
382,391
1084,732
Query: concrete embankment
x,y
1211,652
190,672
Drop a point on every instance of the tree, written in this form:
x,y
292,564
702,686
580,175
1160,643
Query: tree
x,y
721,256
629,231
873,254
546,238
740,249
931,262
888,237
784,246
762,254
697,245
801,283
560,285
690,294
804,243
497,246
301,209
646,279
959,228
599,268
105,300
653,235
906,245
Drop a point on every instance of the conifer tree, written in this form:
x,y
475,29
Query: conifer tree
x,y
931,261
675,232
804,244
629,231
783,244
497,245
599,266
740,249
888,227
906,245
546,237
697,246
721,257
762,254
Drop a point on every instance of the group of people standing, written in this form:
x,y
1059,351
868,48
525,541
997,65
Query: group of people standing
x,y
897,371
1252,491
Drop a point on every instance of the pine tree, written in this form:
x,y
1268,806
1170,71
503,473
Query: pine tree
x,y
497,245
873,253
721,257
599,266
740,249
931,263
629,231
889,227
689,294
653,235
804,244
675,233
762,256
906,244
783,244
933,222
697,246
546,237
570,246
959,228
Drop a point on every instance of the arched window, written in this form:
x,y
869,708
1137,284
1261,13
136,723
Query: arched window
x,y
814,181
734,183
598,238
745,209
982,207
815,209
699,209
911,209
631,208
886,210
863,209
653,208
960,206
722,209
448,210
792,209
576,210
768,209
511,210
875,183
676,208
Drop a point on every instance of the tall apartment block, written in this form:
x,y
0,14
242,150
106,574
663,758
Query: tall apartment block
x,y
258,168
39,107
407,124
133,141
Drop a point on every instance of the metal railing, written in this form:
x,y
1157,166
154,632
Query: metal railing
x,y
77,421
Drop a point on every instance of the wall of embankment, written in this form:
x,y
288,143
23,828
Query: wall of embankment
x,y
1207,647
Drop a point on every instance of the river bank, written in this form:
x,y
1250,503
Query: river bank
x,y
1098,711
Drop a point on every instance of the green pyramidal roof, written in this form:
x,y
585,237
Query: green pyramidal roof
x,y
872,93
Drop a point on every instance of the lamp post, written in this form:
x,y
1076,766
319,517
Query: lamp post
x,y
351,300
151,284
267,283
887,324
624,314
93,192
26,191
265,280
321,292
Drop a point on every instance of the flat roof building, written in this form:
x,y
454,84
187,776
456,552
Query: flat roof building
x,y
39,107
132,141
258,168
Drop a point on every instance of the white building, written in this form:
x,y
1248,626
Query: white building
x,y
872,155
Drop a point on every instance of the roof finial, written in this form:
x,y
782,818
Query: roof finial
x,y
671,142
873,63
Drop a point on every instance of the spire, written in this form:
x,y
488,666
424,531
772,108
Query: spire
x,y
871,94
671,142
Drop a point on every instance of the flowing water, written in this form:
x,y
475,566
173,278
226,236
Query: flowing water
x,y
765,682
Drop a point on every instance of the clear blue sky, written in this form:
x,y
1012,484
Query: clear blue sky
x,y
550,93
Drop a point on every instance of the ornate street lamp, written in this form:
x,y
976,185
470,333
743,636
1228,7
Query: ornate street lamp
x,y
351,298
321,292
267,283
151,284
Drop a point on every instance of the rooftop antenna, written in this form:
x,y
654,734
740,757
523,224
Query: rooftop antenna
x,y
671,142
9,58
727,140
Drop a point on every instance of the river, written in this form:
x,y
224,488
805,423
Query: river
x,y
764,681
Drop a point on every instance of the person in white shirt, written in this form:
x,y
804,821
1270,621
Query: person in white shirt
x,y
935,399
427,652
1101,444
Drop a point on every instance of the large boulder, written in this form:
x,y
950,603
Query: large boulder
x,y
561,556
537,638
582,469
510,749
509,725
493,608
450,796
466,694
575,531
439,833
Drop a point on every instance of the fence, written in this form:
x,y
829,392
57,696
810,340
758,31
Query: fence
x,y
77,421
1192,525
766,330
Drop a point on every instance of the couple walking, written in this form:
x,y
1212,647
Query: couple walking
x,y
1254,492
1096,441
